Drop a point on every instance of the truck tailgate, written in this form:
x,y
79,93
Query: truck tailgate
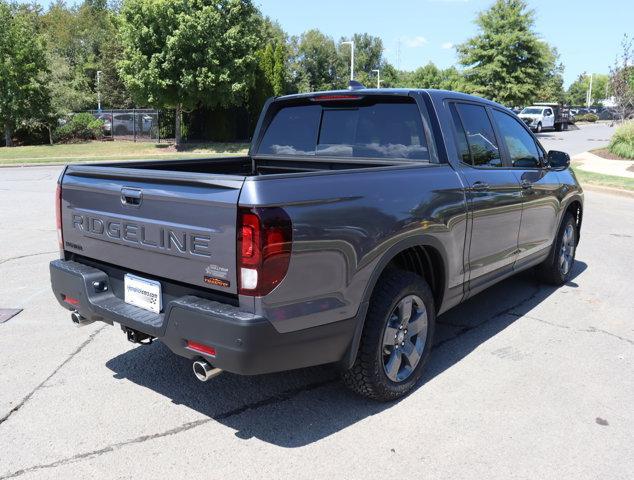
x,y
175,225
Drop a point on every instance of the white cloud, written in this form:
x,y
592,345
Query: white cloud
x,y
414,42
447,46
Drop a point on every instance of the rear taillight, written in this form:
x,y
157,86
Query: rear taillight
x,y
264,249
58,217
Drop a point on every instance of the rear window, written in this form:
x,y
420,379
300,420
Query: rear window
x,y
377,130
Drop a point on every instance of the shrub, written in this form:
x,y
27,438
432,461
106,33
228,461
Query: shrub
x,y
622,143
79,128
586,117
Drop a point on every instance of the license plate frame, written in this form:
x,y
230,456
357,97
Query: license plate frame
x,y
143,293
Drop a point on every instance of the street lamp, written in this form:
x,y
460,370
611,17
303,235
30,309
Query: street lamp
x,y
351,58
98,92
378,77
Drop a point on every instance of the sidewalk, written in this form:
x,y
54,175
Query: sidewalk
x,y
593,163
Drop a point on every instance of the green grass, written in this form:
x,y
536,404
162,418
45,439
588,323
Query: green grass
x,y
622,142
592,178
122,150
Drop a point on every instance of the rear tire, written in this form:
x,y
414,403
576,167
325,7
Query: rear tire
x,y
392,351
557,268
558,127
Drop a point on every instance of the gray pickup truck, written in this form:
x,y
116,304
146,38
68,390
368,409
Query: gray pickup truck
x,y
356,218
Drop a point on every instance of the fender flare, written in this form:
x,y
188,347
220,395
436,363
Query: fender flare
x,y
577,197
419,240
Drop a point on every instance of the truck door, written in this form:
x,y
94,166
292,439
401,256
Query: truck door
x,y
539,186
493,195
549,118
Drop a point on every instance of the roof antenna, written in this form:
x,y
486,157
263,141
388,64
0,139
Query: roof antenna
x,y
354,85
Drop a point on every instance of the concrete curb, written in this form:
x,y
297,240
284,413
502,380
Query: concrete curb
x,y
46,164
591,187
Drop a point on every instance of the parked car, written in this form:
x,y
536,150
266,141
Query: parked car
x,y
106,118
356,218
546,115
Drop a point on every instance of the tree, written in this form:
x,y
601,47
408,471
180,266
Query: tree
x,y
622,80
82,40
368,56
506,61
316,64
186,53
577,93
428,76
279,69
552,87
23,71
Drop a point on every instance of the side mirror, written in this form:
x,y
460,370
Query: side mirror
x,y
557,159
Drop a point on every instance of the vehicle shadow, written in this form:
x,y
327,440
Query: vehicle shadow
x,y
299,407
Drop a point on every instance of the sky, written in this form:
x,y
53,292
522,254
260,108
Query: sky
x,y
586,33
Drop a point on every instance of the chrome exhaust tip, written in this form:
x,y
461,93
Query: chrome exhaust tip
x,y
79,320
204,370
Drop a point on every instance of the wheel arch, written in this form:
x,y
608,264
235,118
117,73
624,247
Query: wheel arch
x,y
575,207
421,254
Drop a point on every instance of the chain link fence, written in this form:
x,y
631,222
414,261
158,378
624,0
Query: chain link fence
x,y
143,125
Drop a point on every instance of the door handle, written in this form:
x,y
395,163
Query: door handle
x,y
480,186
525,184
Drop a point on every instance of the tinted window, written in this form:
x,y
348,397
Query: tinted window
x,y
520,144
461,137
293,131
482,144
382,130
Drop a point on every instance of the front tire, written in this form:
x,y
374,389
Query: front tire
x,y
397,337
538,128
557,268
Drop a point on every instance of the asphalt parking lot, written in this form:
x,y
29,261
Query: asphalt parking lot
x,y
526,381
579,139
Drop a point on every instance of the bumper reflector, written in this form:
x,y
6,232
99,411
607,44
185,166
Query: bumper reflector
x,y
71,300
199,347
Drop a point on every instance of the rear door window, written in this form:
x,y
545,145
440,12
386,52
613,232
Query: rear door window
x,y
477,127
368,130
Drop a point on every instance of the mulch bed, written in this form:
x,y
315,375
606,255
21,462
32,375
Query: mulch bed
x,y
605,153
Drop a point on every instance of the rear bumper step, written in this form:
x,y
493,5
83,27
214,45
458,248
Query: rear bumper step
x,y
244,343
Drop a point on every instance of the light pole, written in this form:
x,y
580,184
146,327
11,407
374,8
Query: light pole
x,y
589,96
378,77
351,43
98,92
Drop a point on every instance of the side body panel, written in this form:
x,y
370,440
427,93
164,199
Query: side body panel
x,y
344,225
496,214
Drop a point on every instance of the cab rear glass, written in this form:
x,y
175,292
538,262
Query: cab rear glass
x,y
364,129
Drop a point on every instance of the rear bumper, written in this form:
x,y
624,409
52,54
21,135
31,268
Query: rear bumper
x,y
245,343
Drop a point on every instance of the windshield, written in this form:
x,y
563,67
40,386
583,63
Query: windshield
x,y
370,130
532,111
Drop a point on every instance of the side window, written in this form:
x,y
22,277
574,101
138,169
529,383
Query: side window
x,y
480,137
549,112
520,144
461,137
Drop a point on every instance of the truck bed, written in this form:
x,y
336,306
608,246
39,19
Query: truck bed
x,y
172,219
252,166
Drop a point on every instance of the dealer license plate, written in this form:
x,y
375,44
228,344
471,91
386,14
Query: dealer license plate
x,y
143,293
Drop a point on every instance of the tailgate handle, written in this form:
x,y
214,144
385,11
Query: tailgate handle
x,y
131,196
